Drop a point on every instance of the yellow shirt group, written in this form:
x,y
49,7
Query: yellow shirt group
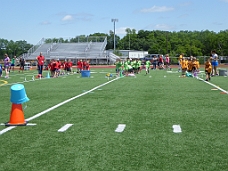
x,y
188,64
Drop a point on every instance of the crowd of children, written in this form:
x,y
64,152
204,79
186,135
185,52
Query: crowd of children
x,y
134,66
189,65
192,65
128,66
58,67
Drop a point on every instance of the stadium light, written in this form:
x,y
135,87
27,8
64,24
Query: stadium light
x,y
114,21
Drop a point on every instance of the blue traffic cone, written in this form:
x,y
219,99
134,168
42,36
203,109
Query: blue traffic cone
x,y
48,75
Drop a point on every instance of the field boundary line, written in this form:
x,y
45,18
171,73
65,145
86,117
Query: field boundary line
x,y
58,105
213,85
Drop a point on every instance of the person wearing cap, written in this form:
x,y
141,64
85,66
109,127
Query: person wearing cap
x,y
40,59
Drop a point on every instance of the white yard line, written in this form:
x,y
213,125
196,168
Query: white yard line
x,y
58,105
65,127
213,85
6,129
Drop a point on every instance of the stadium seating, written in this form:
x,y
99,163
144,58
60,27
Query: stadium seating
x,y
95,51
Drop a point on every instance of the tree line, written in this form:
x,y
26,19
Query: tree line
x,y
195,43
13,48
191,43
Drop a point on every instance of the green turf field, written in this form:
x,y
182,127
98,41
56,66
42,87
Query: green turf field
x,y
149,105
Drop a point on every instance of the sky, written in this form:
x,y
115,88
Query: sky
x,y
32,20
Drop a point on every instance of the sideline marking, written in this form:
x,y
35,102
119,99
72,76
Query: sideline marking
x,y
4,82
58,105
177,129
172,72
65,127
120,128
213,85
26,81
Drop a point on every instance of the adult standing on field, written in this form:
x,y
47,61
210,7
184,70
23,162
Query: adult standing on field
x,y
22,64
40,60
214,62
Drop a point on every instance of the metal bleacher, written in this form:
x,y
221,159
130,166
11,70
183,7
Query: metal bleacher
x,y
92,50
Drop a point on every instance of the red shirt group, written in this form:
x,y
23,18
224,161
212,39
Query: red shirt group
x,y
55,65
83,65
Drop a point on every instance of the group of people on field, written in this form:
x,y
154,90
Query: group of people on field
x,y
192,65
134,66
58,67
55,66
9,65
161,62
83,65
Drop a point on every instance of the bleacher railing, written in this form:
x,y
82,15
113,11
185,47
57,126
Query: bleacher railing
x,y
88,46
34,48
113,57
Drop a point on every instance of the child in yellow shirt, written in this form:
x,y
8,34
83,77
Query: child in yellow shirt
x,y
184,66
208,69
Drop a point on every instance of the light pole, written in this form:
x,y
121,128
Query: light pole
x,y
129,42
114,21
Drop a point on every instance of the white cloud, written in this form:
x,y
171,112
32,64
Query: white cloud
x,y
122,30
163,27
67,18
45,23
157,9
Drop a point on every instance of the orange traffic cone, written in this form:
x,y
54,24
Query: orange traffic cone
x,y
16,116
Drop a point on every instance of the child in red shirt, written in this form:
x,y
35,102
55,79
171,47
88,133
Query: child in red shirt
x,y
87,67
79,66
57,68
69,65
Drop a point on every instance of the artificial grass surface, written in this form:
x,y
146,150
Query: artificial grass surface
x,y
149,106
